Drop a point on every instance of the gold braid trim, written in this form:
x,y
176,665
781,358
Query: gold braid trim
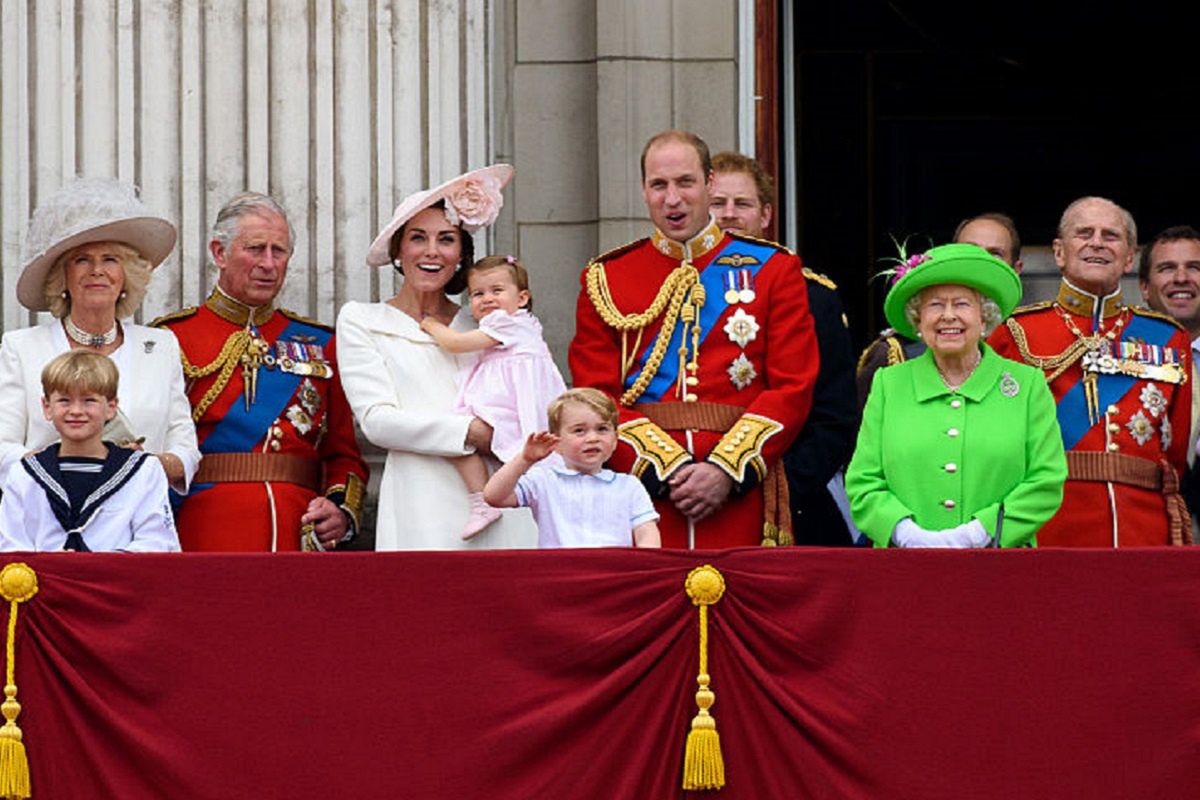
x,y
671,295
1057,363
227,361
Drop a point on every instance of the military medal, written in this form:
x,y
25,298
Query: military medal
x,y
256,349
731,292
746,292
741,328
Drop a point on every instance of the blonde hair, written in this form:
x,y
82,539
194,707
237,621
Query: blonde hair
x,y
137,279
594,399
80,371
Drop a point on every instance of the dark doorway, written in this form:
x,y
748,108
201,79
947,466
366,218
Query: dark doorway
x,y
911,116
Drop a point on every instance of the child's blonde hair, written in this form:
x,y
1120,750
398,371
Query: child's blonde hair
x,y
519,275
594,399
80,371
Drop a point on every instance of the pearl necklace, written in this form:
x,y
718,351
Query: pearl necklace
x,y
88,339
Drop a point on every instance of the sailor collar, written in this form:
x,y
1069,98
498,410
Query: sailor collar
x,y
703,242
1086,304
236,311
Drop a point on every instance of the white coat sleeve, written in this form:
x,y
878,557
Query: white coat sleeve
x,y
181,431
378,404
13,404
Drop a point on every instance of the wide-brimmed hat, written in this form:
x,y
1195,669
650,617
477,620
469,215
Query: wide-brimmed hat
x,y
88,210
473,200
959,264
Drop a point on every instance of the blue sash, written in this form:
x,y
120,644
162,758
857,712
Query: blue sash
x,y
241,429
712,278
1072,408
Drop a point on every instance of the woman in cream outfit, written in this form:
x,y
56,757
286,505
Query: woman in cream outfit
x,y
90,250
403,387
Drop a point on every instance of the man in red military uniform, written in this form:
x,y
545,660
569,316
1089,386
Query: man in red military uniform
x,y
706,341
281,469
1119,376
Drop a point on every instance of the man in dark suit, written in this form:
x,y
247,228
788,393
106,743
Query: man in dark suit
x,y
741,201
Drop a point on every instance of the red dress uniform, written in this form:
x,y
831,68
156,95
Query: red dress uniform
x,y
1119,378
273,424
710,351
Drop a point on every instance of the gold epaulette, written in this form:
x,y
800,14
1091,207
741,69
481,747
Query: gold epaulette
x,y
895,350
351,495
306,320
824,280
1032,307
1149,312
175,316
608,255
653,447
741,446
756,240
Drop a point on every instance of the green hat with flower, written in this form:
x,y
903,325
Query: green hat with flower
x,y
958,264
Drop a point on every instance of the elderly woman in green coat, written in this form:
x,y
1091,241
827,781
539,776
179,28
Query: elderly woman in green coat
x,y
958,447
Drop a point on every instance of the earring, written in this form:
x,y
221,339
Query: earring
x,y
63,294
124,294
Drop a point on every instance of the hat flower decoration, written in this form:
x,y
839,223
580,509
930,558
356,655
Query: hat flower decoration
x,y
475,202
904,261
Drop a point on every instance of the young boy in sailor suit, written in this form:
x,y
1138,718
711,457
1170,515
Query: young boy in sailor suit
x,y
83,493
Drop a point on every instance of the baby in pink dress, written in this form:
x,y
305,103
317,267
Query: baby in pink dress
x,y
515,379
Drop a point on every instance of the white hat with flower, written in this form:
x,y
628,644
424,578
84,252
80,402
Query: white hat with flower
x,y
85,211
473,200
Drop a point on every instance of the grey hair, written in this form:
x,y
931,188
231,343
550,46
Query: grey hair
x,y
137,280
228,223
989,311
1126,217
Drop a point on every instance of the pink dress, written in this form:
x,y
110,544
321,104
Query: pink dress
x,y
513,383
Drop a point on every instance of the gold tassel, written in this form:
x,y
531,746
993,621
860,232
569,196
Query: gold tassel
x,y
703,766
18,583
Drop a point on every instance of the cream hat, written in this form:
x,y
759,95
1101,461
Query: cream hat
x,y
473,200
84,211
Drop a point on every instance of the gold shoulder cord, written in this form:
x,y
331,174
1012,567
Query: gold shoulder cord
x,y
227,361
682,284
1058,363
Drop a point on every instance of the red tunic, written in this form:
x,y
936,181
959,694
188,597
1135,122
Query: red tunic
x,y
1145,417
764,381
313,423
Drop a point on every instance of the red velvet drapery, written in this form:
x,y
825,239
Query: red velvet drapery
x,y
838,674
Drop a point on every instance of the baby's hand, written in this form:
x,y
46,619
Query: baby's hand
x,y
427,323
539,445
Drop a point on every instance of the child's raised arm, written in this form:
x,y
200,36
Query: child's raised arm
x,y
500,490
453,341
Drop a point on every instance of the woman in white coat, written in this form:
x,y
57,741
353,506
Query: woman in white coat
x,y
90,250
402,386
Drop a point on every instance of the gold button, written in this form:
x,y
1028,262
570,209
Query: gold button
x,y
955,403
275,446
692,380
690,398
745,429
1113,427
1113,447
952,432
668,449
728,448
952,467
948,503
1113,409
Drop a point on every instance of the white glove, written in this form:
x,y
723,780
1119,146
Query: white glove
x,y
969,534
909,534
